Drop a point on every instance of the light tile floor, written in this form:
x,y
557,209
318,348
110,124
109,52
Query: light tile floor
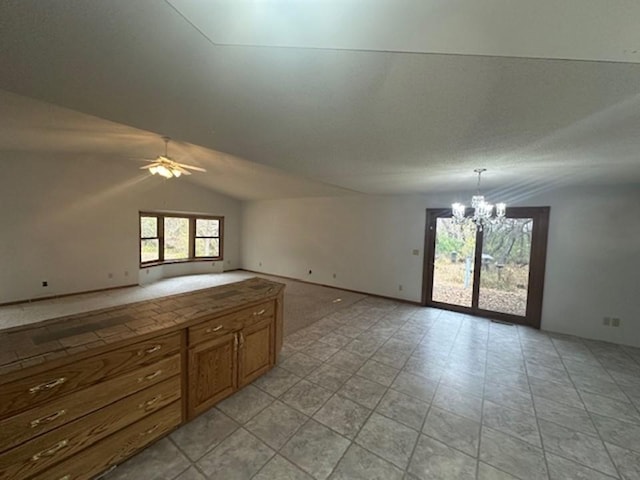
x,y
384,390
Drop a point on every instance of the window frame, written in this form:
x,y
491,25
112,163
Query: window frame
x,y
192,217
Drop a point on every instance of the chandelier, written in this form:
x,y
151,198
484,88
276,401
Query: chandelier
x,y
483,212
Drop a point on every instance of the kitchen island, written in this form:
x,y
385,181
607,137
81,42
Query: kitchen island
x,y
82,393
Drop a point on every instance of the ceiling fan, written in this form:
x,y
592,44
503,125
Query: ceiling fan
x,y
167,167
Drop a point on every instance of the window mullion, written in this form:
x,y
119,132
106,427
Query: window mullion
x,y
192,238
161,237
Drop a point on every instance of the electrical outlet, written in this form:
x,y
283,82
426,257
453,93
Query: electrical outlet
x,y
310,272
334,275
400,287
110,275
126,273
45,283
606,321
416,252
615,322
260,264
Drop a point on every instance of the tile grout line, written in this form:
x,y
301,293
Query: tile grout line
x,y
424,420
484,388
351,442
535,411
615,466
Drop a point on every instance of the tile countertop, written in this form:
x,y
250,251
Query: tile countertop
x,y
23,347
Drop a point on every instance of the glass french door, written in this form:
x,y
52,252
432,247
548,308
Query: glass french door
x,y
496,273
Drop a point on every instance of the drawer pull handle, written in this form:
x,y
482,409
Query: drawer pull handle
x,y
51,451
257,314
211,330
150,403
66,477
151,376
48,385
151,350
48,418
150,431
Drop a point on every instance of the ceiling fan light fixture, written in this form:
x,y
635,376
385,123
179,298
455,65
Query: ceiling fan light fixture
x,y
166,167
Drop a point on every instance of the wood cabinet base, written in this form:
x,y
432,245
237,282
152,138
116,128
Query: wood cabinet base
x,y
73,420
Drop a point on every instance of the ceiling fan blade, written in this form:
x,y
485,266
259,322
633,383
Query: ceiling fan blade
x,y
145,167
178,167
191,167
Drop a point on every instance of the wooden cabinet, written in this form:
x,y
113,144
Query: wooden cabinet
x,y
256,351
213,372
75,416
115,448
228,361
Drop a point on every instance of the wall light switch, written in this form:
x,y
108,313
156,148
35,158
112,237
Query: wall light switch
x,y
615,322
416,252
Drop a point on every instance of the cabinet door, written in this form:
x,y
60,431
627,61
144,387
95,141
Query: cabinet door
x,y
213,372
256,351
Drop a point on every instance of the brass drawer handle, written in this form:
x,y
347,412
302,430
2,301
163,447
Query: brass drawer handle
x,y
150,431
151,376
66,477
48,385
51,451
257,314
241,340
48,418
217,329
149,351
150,403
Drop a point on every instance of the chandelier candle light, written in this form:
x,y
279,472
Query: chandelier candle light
x,y
483,213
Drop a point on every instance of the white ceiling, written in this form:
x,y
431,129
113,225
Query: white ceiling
x,y
366,105
29,126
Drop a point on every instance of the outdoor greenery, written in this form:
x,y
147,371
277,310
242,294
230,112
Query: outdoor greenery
x,y
505,264
178,235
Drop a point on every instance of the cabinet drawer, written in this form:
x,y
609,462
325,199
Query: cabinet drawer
x,y
116,448
209,330
36,389
36,421
36,455
226,324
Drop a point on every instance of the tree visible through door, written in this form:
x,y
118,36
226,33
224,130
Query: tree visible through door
x,y
496,272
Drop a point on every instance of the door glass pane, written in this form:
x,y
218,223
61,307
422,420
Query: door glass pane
x,y
176,238
504,276
453,267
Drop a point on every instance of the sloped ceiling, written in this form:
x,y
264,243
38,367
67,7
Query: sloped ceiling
x,y
398,97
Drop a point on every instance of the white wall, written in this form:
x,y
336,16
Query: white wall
x,y
72,221
593,260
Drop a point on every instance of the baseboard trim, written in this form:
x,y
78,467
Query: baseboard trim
x,y
62,295
403,300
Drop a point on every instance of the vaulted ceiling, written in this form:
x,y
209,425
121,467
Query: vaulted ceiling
x,y
293,98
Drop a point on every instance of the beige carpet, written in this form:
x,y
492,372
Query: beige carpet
x,y
305,304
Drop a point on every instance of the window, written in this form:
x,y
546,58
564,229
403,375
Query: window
x,y
170,237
